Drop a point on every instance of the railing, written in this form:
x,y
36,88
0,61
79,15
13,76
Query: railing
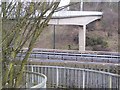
x,y
73,56
35,80
72,51
76,77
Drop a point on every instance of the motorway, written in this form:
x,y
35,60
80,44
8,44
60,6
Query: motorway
x,y
59,56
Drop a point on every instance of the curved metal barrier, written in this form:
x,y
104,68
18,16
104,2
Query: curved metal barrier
x,y
76,77
35,80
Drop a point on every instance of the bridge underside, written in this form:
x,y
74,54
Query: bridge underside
x,y
84,20
81,20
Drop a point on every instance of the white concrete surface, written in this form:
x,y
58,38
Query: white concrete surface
x,y
81,18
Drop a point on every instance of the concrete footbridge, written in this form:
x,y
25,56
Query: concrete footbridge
x,y
80,18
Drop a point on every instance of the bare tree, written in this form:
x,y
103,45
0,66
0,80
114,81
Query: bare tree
x,y
29,19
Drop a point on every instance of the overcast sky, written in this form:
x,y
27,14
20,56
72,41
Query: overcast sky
x,y
64,2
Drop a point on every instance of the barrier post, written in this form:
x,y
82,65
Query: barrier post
x,y
57,77
32,74
110,82
83,79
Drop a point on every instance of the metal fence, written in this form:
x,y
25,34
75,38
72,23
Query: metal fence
x,y
76,77
35,80
72,56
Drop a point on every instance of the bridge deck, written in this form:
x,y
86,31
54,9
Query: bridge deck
x,y
65,14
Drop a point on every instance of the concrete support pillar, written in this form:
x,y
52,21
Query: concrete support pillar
x,y
82,38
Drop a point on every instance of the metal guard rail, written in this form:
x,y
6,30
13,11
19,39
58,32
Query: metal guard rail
x,y
72,51
76,77
35,76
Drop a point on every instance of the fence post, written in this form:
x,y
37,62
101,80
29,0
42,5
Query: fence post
x,y
35,55
32,74
110,82
26,80
57,77
83,79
